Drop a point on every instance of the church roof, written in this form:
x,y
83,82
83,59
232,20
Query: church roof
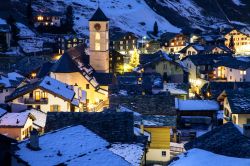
x,y
99,16
65,65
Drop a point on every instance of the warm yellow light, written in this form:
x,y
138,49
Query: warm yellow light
x,y
147,45
33,75
40,18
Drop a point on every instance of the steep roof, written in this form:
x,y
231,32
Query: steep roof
x,y
99,16
48,84
224,140
64,65
239,100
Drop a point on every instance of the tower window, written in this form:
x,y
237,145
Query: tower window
x,y
97,46
97,36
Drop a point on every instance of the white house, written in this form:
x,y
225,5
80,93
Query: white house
x,y
47,95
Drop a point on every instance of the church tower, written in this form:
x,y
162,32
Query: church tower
x,y
99,41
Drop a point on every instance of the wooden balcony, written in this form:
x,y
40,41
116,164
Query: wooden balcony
x,y
33,101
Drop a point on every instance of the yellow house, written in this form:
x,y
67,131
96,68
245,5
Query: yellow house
x,y
160,128
16,125
236,106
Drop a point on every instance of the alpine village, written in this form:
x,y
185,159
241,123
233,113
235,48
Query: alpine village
x,y
124,83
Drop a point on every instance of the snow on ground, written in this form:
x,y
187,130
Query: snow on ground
x,y
191,11
198,157
25,32
132,153
172,88
238,2
130,15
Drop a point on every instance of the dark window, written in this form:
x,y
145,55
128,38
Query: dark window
x,y
163,154
248,121
87,86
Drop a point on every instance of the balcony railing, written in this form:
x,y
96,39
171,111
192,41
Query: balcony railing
x,y
33,101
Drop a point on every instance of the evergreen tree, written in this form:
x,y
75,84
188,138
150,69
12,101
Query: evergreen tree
x,y
156,30
29,13
232,44
69,19
134,59
14,30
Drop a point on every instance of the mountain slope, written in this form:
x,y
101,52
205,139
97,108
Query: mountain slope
x,y
130,15
202,13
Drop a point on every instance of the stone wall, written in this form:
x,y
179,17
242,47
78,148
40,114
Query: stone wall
x,y
146,104
113,126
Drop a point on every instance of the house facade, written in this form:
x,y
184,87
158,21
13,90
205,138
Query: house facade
x,y
5,36
123,42
176,43
48,95
48,19
241,40
16,125
235,103
68,41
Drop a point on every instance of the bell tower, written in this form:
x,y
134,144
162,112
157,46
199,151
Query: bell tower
x,y
99,41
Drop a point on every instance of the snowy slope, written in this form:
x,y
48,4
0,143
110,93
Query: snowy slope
x,y
202,14
130,15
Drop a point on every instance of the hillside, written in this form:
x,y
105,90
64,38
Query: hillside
x,y
130,15
138,16
203,13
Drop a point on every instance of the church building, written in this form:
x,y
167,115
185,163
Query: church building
x,y
89,72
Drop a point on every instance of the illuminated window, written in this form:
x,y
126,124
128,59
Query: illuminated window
x,y
75,40
97,46
40,18
37,95
44,95
97,36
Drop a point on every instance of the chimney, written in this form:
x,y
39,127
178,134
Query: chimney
x,y
34,140
246,130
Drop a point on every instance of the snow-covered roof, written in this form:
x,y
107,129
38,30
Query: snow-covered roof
x,y
15,119
132,153
196,105
2,21
40,120
71,146
24,32
198,157
11,79
57,87
2,112
48,84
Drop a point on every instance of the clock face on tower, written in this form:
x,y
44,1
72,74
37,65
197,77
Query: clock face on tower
x,y
97,27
